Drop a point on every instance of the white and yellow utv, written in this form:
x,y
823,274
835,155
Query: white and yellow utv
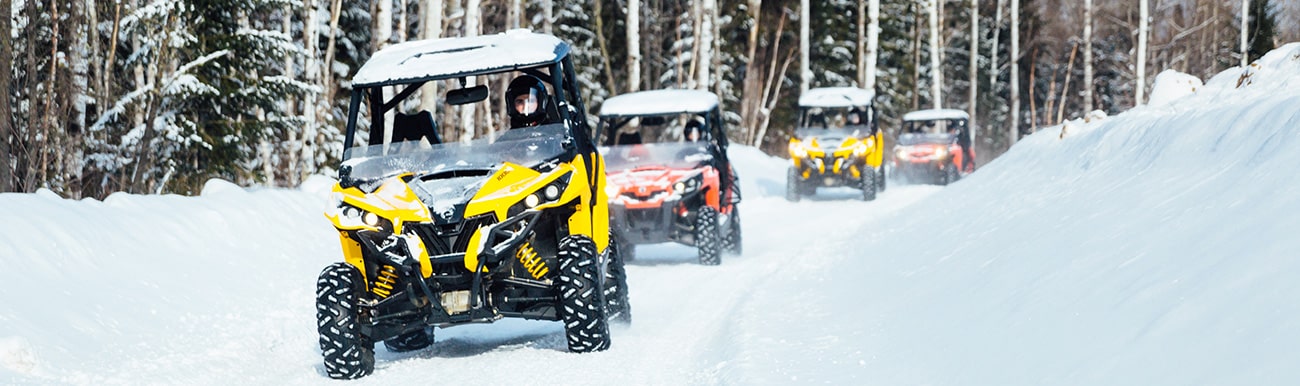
x,y
837,143
439,234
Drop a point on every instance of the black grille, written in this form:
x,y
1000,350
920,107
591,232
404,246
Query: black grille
x,y
442,239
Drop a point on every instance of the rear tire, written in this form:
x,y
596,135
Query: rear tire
x,y
792,188
732,242
348,354
618,309
707,237
582,298
867,182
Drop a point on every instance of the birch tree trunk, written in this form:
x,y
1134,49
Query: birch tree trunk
x,y
805,74
873,43
328,76
997,35
1245,33
1013,134
750,103
861,64
936,69
703,76
311,104
383,25
548,15
974,64
633,45
516,13
1087,58
6,113
431,17
468,110
1143,15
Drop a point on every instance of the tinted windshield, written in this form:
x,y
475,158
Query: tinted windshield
x,y
910,139
827,138
526,146
834,118
674,155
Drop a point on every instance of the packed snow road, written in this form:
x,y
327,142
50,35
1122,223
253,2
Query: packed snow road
x,y
218,289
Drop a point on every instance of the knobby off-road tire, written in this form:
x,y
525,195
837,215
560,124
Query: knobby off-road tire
x,y
792,188
582,298
950,174
617,307
867,182
707,237
410,341
348,354
731,241
880,180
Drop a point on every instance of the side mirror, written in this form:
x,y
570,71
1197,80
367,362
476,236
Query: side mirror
x,y
467,95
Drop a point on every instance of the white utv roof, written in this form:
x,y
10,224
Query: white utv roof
x,y
935,114
454,57
836,97
656,102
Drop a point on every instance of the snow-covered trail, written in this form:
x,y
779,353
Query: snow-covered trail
x,y
219,289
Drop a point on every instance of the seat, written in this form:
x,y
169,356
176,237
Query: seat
x,y
413,127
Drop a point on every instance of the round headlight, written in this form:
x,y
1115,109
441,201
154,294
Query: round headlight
x,y
349,211
679,186
691,183
552,192
532,200
371,219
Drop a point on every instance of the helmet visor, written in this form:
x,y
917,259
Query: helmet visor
x,y
527,102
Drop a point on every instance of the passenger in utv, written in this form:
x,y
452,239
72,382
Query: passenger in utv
x,y
526,96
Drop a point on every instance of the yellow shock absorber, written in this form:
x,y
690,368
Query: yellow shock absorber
x,y
531,261
385,281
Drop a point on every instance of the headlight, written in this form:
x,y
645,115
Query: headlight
x,y
798,151
351,217
940,152
859,150
371,219
545,195
690,184
900,153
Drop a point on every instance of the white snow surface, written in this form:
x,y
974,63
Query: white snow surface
x,y
1170,85
659,102
836,97
1153,247
420,59
935,114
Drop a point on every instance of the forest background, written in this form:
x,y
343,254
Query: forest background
x,y
158,96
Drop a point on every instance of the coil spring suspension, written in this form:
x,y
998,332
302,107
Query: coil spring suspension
x,y
533,263
385,281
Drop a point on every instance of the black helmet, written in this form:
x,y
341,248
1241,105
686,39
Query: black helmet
x,y
694,127
526,101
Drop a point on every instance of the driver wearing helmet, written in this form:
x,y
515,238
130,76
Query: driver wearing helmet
x,y
526,98
694,129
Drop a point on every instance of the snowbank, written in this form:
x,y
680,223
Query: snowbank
x,y
1153,247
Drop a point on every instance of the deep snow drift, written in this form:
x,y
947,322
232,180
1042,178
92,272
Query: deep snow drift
x,y
1152,247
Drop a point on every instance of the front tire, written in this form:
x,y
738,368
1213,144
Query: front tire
x,y
707,236
348,354
792,188
868,184
950,174
880,180
582,298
